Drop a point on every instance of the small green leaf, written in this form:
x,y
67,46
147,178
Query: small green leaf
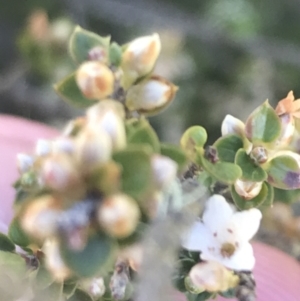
x,y
200,297
228,146
143,133
136,170
80,295
68,90
251,171
263,125
69,289
17,235
43,278
174,153
178,282
243,204
224,172
286,196
94,258
6,244
268,202
230,294
115,54
82,41
193,138
283,171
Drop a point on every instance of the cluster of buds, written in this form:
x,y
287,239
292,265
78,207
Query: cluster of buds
x,y
125,74
86,196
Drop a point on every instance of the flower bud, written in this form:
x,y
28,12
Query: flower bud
x,y
94,147
24,163
259,154
133,254
59,172
63,145
119,215
140,57
232,125
43,147
40,216
150,96
95,80
108,116
247,189
164,170
54,261
95,286
213,277
99,54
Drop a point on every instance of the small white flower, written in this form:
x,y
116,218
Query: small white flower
x,y
24,162
43,147
224,234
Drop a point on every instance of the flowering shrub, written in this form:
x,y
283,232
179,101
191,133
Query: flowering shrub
x,y
86,202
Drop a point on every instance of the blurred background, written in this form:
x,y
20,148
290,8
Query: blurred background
x,y
227,56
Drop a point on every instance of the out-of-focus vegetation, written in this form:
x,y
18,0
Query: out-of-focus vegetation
x,y
227,56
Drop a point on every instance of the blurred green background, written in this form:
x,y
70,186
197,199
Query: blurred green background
x,y
227,57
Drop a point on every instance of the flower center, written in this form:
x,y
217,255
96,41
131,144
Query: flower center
x,y
227,250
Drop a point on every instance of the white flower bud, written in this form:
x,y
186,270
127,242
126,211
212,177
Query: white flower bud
x,y
40,216
63,145
59,172
43,147
232,125
150,96
247,189
24,162
213,277
93,147
54,261
140,57
119,215
95,80
164,170
108,116
95,286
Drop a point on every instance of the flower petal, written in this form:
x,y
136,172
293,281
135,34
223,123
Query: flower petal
x,y
217,213
242,260
246,223
197,238
232,125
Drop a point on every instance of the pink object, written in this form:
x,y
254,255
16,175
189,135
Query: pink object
x,y
16,135
276,273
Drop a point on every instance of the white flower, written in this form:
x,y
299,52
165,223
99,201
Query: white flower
x,y
223,235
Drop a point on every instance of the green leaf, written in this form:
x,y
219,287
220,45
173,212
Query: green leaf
x,y
243,204
174,153
68,90
17,235
143,133
6,244
115,54
82,41
51,293
224,172
43,278
94,258
136,170
268,202
178,282
230,294
193,138
283,171
80,295
251,171
200,297
69,289
263,125
228,146
286,196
